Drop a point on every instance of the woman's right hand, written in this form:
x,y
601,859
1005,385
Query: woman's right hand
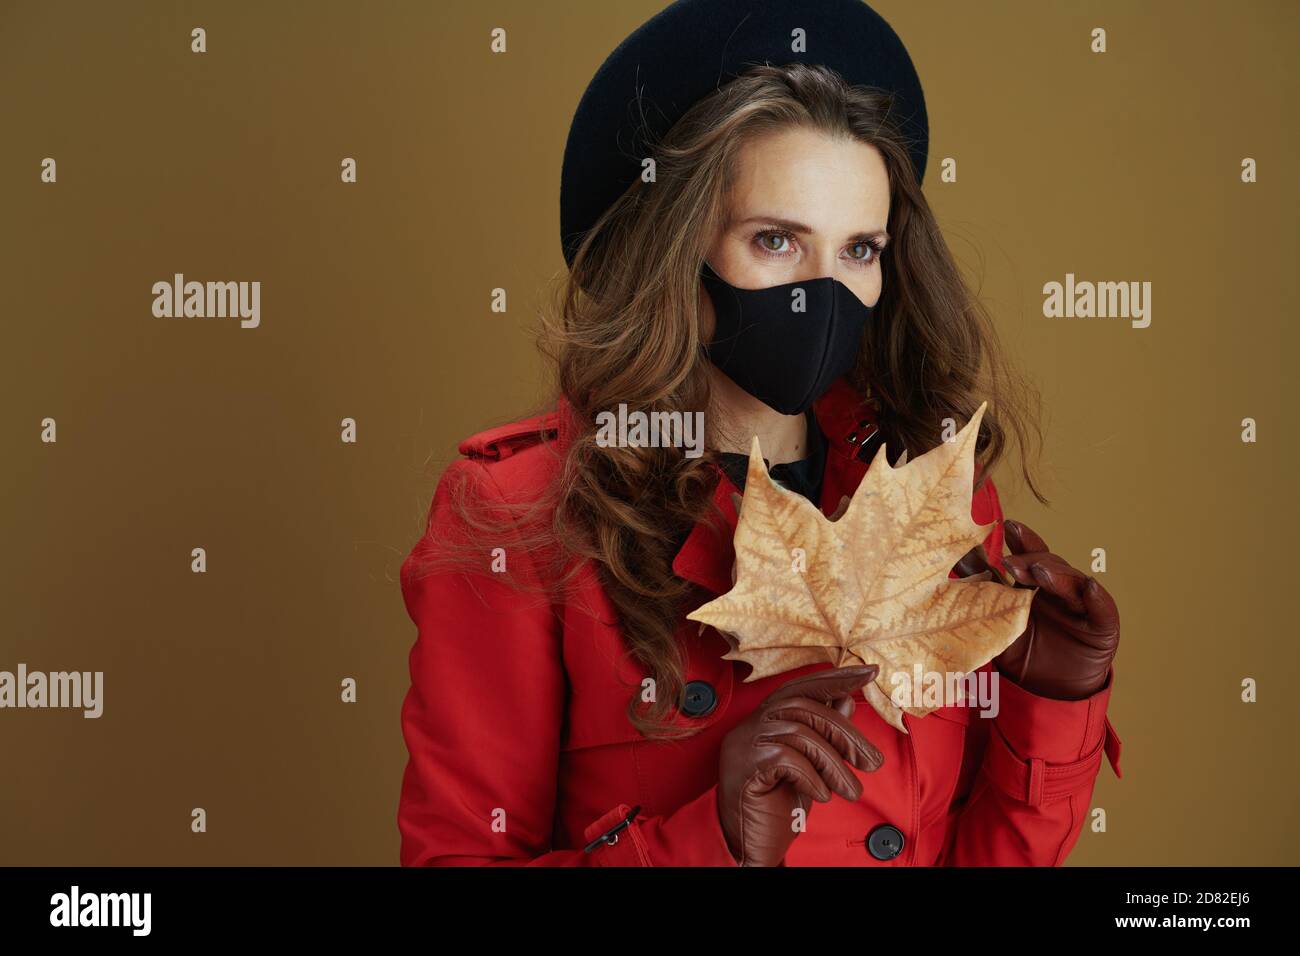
x,y
791,750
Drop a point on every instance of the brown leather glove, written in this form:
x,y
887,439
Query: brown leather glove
x,y
790,751
1067,649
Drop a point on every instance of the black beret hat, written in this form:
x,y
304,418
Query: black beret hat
x,y
691,48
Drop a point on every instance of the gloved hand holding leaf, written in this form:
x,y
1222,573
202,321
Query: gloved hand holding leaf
x,y
872,586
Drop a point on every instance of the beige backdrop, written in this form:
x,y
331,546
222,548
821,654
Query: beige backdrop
x,y
222,689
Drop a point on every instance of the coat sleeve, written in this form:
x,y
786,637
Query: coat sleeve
x,y
483,720
1029,800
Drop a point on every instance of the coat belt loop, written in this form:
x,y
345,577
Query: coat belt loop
x,y
1034,797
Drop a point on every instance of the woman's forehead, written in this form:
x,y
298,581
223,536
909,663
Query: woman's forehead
x,y
828,183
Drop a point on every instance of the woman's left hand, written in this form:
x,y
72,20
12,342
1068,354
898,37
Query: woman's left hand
x,y
1073,632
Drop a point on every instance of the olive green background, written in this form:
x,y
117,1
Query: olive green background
x,y
222,689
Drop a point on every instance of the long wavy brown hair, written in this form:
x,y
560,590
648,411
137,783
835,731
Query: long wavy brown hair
x,y
624,328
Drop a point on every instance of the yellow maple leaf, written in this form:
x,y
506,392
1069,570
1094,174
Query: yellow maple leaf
x,y
871,587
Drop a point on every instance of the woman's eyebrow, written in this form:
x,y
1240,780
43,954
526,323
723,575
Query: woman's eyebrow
x,y
799,228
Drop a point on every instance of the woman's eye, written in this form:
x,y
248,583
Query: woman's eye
x,y
774,241
779,243
862,251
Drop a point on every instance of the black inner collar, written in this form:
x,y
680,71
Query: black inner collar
x,y
803,477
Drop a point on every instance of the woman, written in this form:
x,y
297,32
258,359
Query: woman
x,y
562,711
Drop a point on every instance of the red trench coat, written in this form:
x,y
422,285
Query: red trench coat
x,y
520,752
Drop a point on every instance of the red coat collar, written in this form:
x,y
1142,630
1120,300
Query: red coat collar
x,y
705,558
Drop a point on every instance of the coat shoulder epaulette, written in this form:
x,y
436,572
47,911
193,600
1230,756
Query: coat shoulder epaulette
x,y
502,441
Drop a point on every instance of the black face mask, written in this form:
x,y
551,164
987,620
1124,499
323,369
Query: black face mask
x,y
785,359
